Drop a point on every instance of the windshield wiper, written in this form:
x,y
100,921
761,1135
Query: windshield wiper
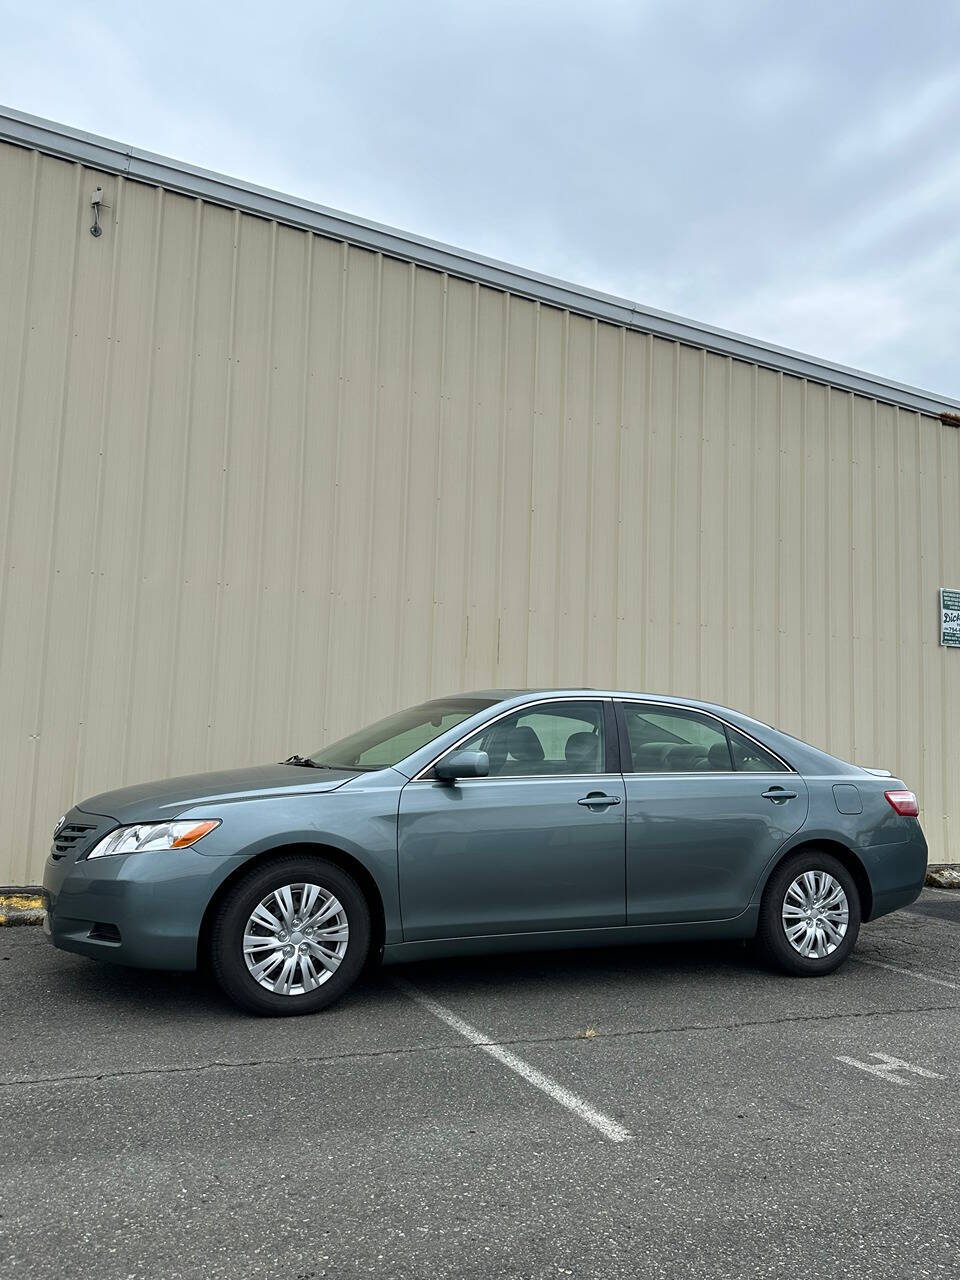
x,y
306,763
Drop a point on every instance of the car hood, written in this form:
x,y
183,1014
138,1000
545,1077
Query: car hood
x,y
163,800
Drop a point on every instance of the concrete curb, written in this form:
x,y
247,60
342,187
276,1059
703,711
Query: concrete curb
x,y
23,907
943,876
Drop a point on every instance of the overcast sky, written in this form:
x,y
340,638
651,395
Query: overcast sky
x,y
790,171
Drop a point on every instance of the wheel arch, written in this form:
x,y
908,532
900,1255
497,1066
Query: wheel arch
x,y
346,861
843,853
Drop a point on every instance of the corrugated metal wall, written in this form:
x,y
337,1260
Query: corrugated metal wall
x,y
258,486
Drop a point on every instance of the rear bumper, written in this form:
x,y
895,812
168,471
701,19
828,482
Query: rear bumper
x,y
154,901
893,900
896,871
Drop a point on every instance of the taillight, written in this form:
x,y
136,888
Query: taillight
x,y
903,802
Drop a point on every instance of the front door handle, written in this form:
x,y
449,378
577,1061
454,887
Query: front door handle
x,y
597,800
778,795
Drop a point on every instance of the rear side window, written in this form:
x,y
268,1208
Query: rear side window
x,y
671,740
750,757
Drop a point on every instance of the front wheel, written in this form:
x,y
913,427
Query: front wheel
x,y
809,915
291,937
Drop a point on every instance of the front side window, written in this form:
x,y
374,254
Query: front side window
x,y
389,741
674,740
551,738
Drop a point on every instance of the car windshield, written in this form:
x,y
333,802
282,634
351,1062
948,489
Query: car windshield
x,y
389,741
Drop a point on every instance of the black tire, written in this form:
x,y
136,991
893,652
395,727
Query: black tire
x,y
226,936
771,934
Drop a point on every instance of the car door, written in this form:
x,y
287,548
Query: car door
x,y
707,807
537,845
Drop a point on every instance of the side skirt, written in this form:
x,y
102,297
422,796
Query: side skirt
x,y
742,926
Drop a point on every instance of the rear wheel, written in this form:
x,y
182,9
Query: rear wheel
x,y
291,937
809,915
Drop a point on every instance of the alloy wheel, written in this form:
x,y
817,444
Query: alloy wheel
x,y
295,939
815,914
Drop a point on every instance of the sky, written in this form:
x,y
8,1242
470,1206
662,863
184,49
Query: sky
x,y
787,171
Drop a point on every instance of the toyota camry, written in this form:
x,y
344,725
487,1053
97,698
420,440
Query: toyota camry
x,y
488,822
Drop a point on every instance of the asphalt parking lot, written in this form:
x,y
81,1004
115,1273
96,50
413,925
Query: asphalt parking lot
x,y
669,1111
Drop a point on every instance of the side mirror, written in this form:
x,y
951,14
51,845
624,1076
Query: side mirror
x,y
462,764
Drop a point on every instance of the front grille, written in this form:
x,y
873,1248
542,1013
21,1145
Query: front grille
x,y
69,836
78,833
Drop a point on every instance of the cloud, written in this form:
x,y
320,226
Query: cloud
x,y
930,108
793,173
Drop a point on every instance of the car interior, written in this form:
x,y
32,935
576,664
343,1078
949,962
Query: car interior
x,y
568,739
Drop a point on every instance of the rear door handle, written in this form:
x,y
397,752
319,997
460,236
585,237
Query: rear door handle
x,y
597,800
778,795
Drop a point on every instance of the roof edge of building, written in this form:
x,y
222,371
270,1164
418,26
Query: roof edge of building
x,y
51,138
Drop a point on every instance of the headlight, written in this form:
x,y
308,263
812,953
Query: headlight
x,y
150,836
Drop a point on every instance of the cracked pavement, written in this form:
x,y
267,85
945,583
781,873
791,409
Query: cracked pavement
x,y
152,1131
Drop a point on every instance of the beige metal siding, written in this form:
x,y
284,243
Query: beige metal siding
x,y
259,485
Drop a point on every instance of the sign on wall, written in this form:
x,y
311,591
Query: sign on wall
x,y
950,618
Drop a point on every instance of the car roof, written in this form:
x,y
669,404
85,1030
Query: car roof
x,y
510,695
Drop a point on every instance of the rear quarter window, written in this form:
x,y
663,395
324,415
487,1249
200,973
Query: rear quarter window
x,y
750,757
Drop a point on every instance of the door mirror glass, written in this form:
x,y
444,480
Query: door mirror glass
x,y
463,764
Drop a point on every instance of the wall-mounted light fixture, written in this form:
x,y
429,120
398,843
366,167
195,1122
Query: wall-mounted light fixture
x,y
95,205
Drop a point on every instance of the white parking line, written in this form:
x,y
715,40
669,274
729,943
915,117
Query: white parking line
x,y
610,1129
888,1067
910,973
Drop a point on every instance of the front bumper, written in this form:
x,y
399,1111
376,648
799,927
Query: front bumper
x,y
142,909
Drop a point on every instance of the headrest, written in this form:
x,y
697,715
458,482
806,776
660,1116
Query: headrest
x,y
582,748
685,757
650,755
523,744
